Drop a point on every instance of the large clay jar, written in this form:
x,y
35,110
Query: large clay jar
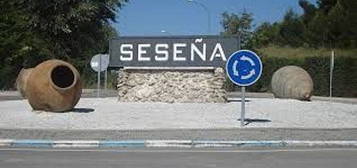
x,y
21,81
53,85
292,82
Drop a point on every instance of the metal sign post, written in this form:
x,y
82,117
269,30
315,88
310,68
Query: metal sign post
x,y
242,114
98,84
244,68
105,82
100,63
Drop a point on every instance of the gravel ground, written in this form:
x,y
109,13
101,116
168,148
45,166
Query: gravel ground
x,y
108,114
87,93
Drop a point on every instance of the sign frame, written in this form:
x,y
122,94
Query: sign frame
x,y
229,44
103,64
259,73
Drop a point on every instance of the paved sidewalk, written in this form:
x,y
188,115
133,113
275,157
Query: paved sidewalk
x,y
105,119
249,134
109,114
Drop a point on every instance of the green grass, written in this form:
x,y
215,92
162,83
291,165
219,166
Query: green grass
x,y
287,52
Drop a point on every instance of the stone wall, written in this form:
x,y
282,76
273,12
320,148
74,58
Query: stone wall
x,y
172,86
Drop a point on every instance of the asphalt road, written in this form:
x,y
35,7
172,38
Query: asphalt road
x,y
191,134
293,158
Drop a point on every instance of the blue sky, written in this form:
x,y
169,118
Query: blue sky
x,y
179,17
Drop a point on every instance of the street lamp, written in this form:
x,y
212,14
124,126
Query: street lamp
x,y
208,13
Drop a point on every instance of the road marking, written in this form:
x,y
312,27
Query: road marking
x,y
179,151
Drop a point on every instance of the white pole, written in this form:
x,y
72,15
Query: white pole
x,y
105,82
98,84
331,71
242,113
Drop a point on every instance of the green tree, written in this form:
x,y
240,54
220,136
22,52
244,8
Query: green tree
x,y
72,30
330,23
334,24
309,11
238,24
265,34
326,5
291,30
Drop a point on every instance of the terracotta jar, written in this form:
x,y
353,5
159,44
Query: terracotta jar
x,y
22,80
53,85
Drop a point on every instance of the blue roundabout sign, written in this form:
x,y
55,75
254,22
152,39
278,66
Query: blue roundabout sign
x,y
244,68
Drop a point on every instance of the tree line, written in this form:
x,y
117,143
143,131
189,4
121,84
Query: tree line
x,y
328,24
32,31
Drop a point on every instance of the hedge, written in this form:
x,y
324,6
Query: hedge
x,y
344,75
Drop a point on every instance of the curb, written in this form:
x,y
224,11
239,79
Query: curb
x,y
12,143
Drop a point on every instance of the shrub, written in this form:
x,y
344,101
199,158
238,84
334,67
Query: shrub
x,y
344,75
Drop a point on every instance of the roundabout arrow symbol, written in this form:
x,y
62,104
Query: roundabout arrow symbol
x,y
245,58
251,73
235,71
